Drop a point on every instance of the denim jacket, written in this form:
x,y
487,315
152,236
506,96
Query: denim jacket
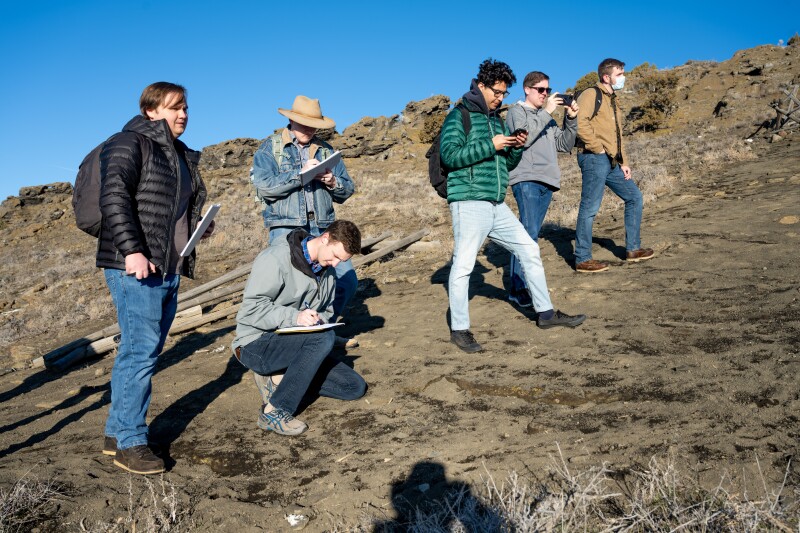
x,y
281,191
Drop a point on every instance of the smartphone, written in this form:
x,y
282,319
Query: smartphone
x,y
568,99
517,132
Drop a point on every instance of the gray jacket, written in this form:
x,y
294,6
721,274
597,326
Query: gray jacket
x,y
280,284
545,138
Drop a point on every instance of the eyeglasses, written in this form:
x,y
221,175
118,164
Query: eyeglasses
x,y
498,93
542,90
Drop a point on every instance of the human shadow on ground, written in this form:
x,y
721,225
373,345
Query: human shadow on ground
x,y
171,357
477,283
358,318
563,240
169,424
427,494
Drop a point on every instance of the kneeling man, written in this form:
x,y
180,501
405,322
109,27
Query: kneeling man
x,y
293,283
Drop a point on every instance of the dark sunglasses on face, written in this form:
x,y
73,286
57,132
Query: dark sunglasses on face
x,y
542,90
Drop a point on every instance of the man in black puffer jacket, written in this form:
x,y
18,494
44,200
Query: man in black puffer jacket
x,y
151,196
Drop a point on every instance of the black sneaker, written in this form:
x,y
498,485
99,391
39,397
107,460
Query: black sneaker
x,y
463,339
521,298
109,446
139,460
560,319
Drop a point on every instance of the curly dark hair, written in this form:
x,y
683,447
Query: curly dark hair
x,y
491,71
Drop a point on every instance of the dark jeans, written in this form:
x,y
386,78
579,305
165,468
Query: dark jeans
x,y
533,199
304,360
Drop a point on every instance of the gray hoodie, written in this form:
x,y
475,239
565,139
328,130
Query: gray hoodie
x,y
280,284
539,161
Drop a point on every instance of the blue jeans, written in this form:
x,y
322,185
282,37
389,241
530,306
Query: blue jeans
x,y
473,222
533,199
346,280
145,310
303,360
596,173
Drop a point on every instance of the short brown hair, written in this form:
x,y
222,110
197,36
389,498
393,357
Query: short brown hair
x,y
347,233
606,66
156,94
532,78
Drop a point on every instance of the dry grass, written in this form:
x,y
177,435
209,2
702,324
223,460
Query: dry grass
x,y
28,502
655,498
154,508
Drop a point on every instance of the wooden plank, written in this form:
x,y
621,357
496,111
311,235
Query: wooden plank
x,y
357,262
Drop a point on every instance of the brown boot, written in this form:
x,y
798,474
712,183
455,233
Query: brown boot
x,y
642,254
139,460
591,266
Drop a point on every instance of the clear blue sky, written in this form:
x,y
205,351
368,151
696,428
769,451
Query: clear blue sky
x,y
73,71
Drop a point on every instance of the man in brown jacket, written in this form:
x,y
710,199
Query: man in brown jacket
x,y
603,162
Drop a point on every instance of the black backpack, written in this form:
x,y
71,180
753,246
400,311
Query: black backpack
x,y
437,173
86,193
598,99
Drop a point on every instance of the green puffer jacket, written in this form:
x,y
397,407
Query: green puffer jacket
x,y
476,170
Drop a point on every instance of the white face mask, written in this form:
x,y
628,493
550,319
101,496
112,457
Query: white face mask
x,y
620,83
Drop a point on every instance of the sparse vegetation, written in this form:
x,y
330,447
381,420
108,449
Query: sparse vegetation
x,y
655,498
28,502
656,90
589,80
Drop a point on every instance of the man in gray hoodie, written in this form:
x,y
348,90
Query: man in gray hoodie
x,y
537,176
292,284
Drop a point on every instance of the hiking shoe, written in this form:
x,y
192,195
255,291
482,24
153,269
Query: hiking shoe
x,y
560,319
464,339
521,298
345,342
109,446
591,266
139,460
281,422
266,387
642,254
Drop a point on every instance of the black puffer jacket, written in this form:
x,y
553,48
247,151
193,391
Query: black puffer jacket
x,y
138,199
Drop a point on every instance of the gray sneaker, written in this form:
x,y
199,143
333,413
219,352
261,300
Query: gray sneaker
x,y
266,387
281,422
464,339
139,460
560,319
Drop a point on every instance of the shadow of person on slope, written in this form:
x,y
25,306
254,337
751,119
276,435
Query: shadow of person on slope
x,y
171,357
357,318
426,500
478,286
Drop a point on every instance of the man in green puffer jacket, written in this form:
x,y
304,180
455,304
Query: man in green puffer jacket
x,y
478,165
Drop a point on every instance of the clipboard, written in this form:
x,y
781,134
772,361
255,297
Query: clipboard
x,y
211,212
328,164
308,329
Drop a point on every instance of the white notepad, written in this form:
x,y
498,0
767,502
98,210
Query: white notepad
x,y
211,212
328,164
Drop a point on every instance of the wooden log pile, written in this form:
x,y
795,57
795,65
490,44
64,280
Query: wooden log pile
x,y
219,292
787,111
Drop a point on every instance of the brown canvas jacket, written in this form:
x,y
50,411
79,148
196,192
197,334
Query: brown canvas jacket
x,y
599,134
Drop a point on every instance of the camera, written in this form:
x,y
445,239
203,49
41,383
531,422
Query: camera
x,y
568,99
517,132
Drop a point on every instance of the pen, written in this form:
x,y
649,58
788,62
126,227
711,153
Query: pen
x,y
309,307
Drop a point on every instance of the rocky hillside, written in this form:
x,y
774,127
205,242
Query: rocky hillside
x,y
50,291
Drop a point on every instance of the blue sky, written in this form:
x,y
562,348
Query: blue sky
x,y
73,70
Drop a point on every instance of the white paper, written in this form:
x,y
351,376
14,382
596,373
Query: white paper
x,y
328,164
211,212
308,329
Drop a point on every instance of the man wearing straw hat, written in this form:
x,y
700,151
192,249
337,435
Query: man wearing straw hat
x,y
288,204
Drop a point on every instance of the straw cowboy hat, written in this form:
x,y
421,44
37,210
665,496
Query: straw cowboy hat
x,y
306,111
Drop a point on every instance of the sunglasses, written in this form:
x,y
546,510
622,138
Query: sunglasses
x,y
542,90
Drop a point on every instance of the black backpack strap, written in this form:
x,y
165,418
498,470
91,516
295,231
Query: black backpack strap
x,y
465,119
598,101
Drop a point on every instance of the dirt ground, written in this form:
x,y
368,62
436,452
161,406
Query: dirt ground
x,y
694,353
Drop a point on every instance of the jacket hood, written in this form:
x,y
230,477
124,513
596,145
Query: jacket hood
x,y
155,130
474,100
295,241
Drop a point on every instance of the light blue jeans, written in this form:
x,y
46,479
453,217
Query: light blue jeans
x,y
596,173
533,199
346,280
473,222
145,310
